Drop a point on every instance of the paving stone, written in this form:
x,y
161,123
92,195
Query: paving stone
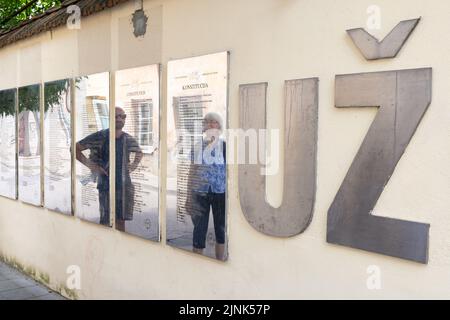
x,y
50,296
17,294
7,285
17,286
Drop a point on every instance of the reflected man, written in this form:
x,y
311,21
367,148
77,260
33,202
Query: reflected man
x,y
98,163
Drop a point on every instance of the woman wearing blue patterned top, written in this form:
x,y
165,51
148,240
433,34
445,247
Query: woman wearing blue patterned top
x,y
207,182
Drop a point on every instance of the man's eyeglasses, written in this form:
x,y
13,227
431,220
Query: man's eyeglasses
x,y
121,116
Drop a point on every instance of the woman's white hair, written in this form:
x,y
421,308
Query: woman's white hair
x,y
214,116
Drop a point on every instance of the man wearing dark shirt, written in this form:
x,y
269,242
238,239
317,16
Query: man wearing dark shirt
x,y
98,163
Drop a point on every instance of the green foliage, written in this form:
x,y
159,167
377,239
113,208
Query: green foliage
x,y
29,98
7,102
9,7
53,92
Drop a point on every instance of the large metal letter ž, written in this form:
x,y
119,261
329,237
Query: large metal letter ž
x,y
301,114
403,98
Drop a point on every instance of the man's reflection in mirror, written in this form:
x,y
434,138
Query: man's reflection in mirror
x,y
207,185
98,163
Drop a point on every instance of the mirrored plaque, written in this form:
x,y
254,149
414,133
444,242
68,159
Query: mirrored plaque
x,y
92,148
8,143
57,141
137,143
29,145
196,169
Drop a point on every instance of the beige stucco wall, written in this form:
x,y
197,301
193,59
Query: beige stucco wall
x,y
269,40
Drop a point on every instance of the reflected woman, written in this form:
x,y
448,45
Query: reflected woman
x,y
207,185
